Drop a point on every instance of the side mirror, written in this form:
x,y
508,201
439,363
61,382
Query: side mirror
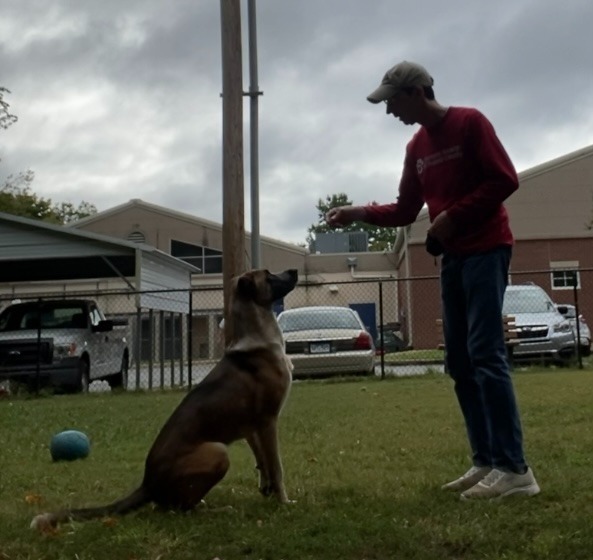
x,y
103,326
562,309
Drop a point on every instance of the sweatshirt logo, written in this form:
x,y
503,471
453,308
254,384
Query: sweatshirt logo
x,y
422,164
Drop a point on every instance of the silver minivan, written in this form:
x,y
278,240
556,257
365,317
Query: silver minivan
x,y
542,330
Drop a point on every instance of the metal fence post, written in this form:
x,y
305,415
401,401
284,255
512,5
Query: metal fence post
x,y
138,343
576,313
181,368
381,330
150,346
172,346
190,356
38,364
162,346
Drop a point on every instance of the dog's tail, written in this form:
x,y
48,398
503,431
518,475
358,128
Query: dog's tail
x,y
49,521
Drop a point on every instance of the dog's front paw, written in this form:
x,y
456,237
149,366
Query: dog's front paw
x,y
266,489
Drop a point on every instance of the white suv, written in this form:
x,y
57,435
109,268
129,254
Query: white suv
x,y
542,330
581,330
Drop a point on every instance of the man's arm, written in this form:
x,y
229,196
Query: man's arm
x,y
499,178
400,213
409,202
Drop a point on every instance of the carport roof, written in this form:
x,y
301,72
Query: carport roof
x,y
34,251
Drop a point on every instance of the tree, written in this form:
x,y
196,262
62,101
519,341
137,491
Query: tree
x,y
380,238
16,196
67,212
6,119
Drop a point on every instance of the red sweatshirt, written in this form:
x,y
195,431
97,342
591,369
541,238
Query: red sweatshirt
x,y
458,165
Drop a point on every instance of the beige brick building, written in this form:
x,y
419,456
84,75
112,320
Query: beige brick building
x,y
551,216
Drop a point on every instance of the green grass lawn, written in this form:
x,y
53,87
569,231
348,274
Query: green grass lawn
x,y
364,460
426,355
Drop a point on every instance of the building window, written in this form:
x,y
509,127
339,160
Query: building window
x,y
565,275
209,261
212,261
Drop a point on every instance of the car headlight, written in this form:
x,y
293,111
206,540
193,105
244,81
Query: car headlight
x,y
562,327
64,350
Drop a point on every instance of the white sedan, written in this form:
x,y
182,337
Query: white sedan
x,y
324,340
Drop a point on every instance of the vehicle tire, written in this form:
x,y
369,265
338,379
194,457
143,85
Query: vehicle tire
x,y
21,388
120,379
82,382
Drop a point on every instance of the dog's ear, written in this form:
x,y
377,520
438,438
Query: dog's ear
x,y
246,287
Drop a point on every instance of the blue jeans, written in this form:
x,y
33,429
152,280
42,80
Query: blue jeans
x,y
472,291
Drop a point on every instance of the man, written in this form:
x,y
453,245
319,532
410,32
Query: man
x,y
458,167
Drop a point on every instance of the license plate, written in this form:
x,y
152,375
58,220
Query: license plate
x,y
319,348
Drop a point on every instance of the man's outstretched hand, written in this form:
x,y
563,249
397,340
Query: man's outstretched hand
x,y
343,216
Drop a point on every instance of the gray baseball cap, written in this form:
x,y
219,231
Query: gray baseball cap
x,y
402,75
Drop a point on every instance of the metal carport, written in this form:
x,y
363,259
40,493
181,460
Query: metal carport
x,y
36,251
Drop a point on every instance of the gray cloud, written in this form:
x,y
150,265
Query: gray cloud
x,y
121,100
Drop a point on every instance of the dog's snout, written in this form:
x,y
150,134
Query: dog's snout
x,y
283,283
291,276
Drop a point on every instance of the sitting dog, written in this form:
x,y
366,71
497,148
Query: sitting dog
x,y
240,398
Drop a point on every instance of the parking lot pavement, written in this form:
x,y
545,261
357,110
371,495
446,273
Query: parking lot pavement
x,y
201,369
177,378
409,369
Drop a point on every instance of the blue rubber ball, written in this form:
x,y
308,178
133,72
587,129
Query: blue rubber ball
x,y
69,446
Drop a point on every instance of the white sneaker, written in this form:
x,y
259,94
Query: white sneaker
x,y
466,481
500,484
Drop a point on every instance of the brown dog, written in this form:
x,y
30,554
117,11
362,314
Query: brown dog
x,y
240,398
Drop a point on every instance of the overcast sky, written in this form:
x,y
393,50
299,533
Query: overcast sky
x,y
120,100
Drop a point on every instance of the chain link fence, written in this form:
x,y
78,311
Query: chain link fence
x,y
98,340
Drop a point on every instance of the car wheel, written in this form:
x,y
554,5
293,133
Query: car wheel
x,y
120,379
21,388
82,382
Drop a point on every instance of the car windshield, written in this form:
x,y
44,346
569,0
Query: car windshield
x,y
318,319
526,301
30,316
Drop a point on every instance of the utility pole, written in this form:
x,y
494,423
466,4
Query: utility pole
x,y
254,93
233,225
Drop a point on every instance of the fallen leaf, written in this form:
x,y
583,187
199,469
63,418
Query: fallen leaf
x,y
32,499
